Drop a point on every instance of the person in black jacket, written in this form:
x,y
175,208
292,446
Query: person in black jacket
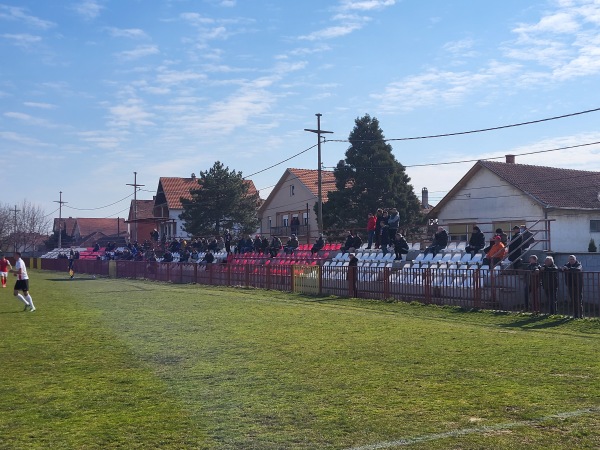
x,y
549,275
573,271
318,246
400,246
515,248
477,241
440,241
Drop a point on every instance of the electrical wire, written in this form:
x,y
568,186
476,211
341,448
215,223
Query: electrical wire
x,y
281,162
101,207
459,133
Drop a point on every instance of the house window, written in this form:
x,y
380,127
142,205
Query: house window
x,y
305,216
594,226
270,222
291,190
286,220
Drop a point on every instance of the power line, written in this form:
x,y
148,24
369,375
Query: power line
x,y
100,207
281,162
501,127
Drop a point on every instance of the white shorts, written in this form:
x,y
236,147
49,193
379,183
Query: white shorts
x,y
4,274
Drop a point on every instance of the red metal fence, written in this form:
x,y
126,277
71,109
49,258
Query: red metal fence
x,y
506,290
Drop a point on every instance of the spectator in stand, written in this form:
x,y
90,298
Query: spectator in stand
x,y
371,227
209,258
573,271
515,248
167,257
503,236
291,245
393,223
549,275
264,245
526,238
154,235
496,252
227,239
400,246
257,244
96,247
476,242
349,243
318,246
440,241
357,243
384,238
532,284
295,225
275,246
378,223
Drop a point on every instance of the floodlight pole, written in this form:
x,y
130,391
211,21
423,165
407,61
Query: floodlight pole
x,y
319,132
60,203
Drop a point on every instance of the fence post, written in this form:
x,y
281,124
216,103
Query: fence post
x,y
476,288
427,285
320,279
386,283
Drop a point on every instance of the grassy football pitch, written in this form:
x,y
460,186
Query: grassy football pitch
x,y
138,365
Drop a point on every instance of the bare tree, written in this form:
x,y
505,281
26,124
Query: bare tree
x,y
29,230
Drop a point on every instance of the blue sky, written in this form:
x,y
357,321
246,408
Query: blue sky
x,y
93,90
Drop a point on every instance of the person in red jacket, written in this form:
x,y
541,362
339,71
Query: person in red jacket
x,y
371,227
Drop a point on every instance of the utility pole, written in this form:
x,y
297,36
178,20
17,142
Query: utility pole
x,y
15,226
135,186
60,203
319,179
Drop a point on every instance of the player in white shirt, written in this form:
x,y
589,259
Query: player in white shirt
x,y
22,284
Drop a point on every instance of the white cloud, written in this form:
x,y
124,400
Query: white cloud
x,y
22,40
332,32
138,52
30,120
130,113
25,140
561,22
18,14
88,9
132,33
462,48
39,105
366,5
102,139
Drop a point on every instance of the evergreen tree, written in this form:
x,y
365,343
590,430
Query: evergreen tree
x,y
369,178
221,201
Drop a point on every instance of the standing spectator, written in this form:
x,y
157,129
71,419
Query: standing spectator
x,y
574,280
532,284
393,223
440,241
496,253
318,245
295,225
384,238
378,223
352,275
526,238
22,283
549,274
257,244
476,242
400,246
371,228
515,249
264,245
227,239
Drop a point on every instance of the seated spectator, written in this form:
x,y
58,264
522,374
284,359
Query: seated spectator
x,y
209,258
291,245
168,256
496,253
440,241
357,243
349,243
400,246
264,245
318,246
257,244
503,236
275,246
476,242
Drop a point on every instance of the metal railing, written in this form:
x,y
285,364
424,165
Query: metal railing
x,y
507,290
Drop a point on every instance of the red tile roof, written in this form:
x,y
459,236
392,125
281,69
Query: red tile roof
x,y
310,178
175,188
144,210
68,224
108,227
551,186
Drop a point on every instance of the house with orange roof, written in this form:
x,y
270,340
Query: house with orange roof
x,y
560,206
141,221
168,207
295,196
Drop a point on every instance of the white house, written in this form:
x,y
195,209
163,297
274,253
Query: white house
x,y
561,206
295,196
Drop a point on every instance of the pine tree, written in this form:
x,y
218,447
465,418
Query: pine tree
x,y
369,178
221,201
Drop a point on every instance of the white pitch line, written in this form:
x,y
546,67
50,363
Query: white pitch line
x,y
464,431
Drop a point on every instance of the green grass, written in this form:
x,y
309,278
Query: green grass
x,y
131,364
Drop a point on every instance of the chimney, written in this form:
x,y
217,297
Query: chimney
x,y
510,159
193,176
425,198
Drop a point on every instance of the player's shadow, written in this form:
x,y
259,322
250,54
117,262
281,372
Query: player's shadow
x,y
71,279
11,312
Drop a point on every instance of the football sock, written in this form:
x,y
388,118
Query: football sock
x,y
22,299
29,300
